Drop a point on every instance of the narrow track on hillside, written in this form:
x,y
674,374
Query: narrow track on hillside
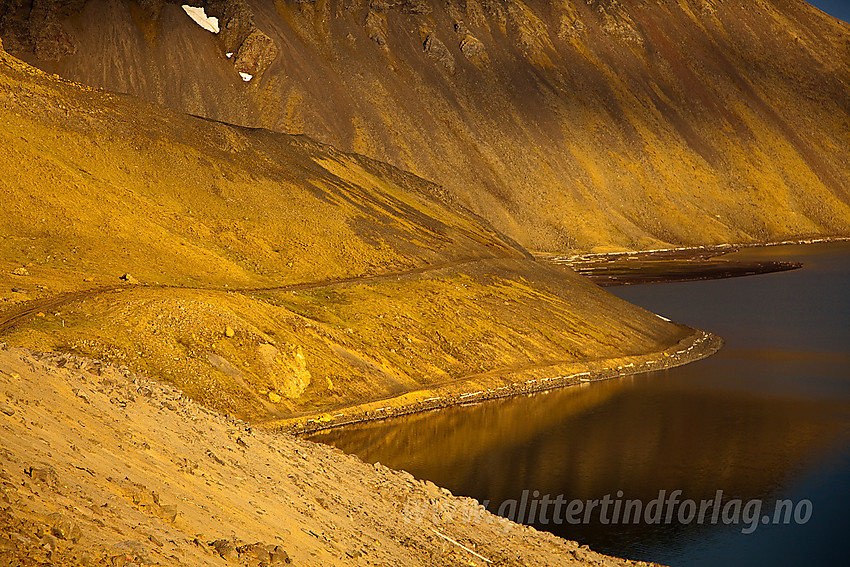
x,y
30,309
342,282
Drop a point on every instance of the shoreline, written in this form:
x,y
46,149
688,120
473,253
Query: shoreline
x,y
551,375
495,385
698,345
671,265
726,248
615,273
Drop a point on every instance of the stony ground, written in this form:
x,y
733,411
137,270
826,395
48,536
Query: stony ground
x,y
102,467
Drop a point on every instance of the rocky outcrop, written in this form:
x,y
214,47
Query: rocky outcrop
x,y
530,33
404,6
286,369
255,53
571,28
616,21
471,47
438,51
376,27
253,50
36,26
236,20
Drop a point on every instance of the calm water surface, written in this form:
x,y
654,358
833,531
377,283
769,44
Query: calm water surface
x,y
766,418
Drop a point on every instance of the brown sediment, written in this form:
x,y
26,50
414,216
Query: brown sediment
x,y
503,384
675,264
615,273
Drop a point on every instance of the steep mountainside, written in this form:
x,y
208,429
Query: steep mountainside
x,y
568,124
265,274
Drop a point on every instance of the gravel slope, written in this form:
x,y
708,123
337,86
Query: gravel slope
x,y
102,467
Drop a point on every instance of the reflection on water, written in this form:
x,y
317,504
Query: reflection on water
x,y
768,417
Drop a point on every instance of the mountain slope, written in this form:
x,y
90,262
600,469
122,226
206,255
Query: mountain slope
x,y
273,275
570,124
212,203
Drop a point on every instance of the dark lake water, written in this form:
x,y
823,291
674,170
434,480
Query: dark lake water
x,y
767,418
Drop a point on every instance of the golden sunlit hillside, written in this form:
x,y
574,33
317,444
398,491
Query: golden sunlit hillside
x,y
568,124
267,275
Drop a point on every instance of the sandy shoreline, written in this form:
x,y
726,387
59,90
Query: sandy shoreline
x,y
503,384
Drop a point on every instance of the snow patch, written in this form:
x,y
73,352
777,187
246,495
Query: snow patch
x,y
200,16
246,77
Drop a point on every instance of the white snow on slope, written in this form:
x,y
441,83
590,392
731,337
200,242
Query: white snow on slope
x,y
201,18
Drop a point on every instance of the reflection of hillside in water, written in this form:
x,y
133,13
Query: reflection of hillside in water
x,y
585,442
428,442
